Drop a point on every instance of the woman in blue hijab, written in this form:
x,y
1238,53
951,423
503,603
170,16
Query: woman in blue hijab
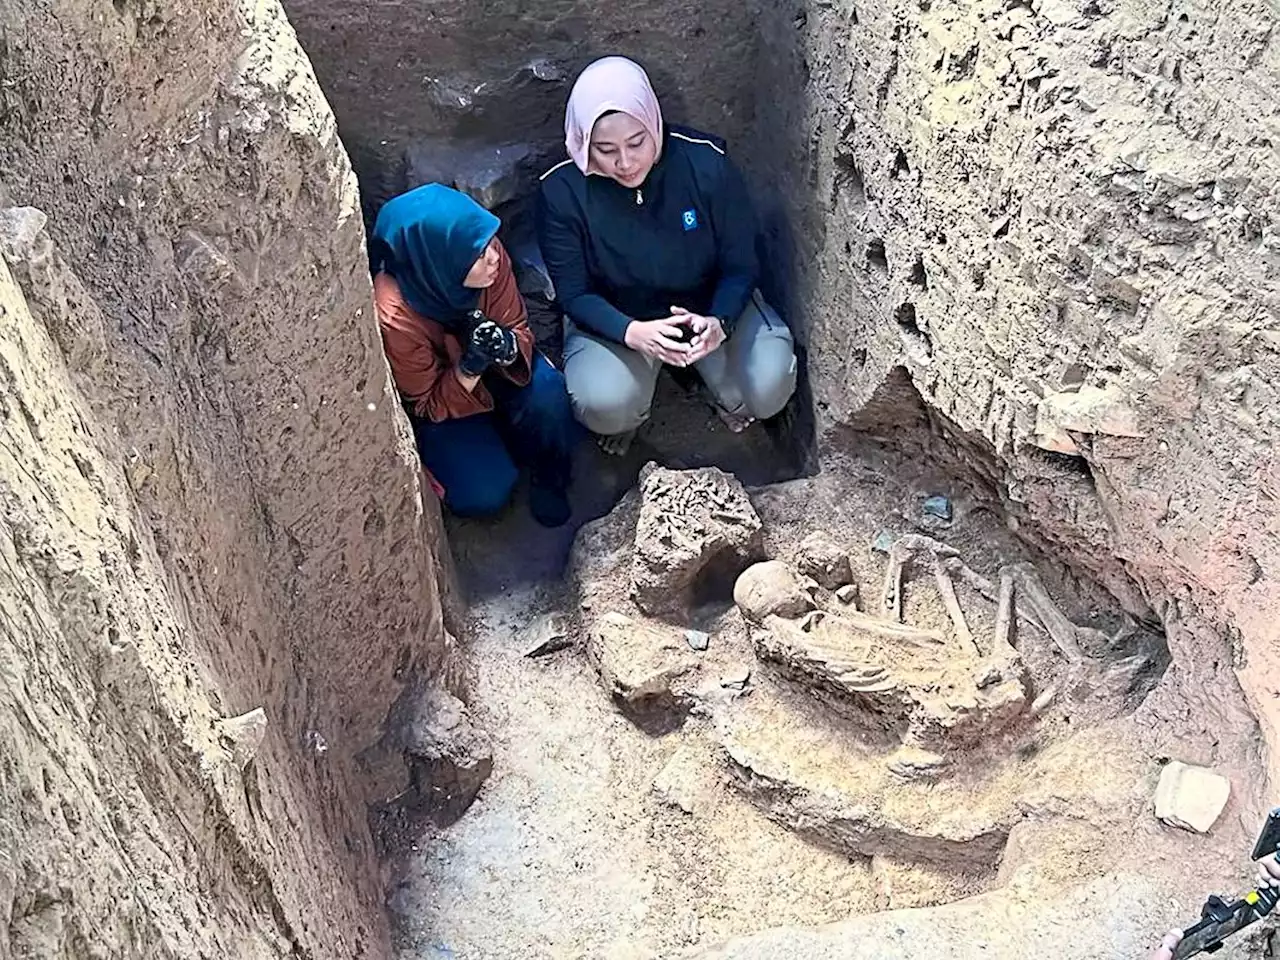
x,y
481,398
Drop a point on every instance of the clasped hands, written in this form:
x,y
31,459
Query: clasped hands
x,y
681,339
489,342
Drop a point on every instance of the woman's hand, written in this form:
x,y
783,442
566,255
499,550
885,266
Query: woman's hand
x,y
659,339
708,332
1268,871
1167,945
489,343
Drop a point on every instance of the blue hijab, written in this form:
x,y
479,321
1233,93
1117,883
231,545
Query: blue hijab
x,y
428,239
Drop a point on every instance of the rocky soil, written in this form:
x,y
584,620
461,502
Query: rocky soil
x,y
1031,245
831,697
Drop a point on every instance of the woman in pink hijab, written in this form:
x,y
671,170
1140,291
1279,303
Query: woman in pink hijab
x,y
650,240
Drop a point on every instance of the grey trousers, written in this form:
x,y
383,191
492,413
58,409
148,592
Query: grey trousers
x,y
753,373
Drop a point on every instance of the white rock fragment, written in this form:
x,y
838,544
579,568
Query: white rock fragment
x,y
1190,797
637,660
679,783
243,735
1088,410
547,634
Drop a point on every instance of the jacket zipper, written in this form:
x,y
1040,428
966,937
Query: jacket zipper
x,y
639,198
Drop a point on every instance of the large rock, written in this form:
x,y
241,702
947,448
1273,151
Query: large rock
x,y
490,175
696,531
1190,797
640,664
449,758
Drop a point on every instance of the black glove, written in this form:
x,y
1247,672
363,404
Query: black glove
x,y
488,343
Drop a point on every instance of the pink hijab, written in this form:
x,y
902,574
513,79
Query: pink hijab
x,y
608,84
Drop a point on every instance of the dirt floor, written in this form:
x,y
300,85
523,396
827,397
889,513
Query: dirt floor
x,y
570,852
761,805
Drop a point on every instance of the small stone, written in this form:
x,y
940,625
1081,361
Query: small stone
x,y
736,678
638,661
22,233
1090,410
547,634
824,562
1191,798
1058,12
770,588
988,676
449,757
848,595
1133,156
548,71
697,639
914,763
938,506
883,542
679,783
1041,703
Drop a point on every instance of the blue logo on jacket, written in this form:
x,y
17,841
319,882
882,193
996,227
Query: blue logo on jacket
x,y
690,219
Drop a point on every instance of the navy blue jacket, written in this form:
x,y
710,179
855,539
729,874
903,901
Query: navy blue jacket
x,y
685,238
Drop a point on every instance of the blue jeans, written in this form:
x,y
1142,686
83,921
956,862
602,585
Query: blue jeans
x,y
477,459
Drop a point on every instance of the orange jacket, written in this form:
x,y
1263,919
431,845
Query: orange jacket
x,y
423,354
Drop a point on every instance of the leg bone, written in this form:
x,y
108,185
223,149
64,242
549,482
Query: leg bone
x,y
952,603
1065,634
1004,615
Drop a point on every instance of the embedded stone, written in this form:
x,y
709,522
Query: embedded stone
x,y
824,562
1191,798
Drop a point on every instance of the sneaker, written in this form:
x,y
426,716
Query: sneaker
x,y
549,505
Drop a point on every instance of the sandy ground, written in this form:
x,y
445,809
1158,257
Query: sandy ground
x,y
569,853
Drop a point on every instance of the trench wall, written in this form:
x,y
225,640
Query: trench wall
x,y
211,503
1056,224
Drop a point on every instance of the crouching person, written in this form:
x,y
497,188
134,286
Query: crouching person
x,y
650,240
483,401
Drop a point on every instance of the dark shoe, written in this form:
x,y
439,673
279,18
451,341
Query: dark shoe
x,y
549,505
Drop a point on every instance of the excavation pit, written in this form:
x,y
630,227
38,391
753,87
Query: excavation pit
x,y
212,515
654,792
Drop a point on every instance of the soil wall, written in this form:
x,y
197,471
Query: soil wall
x,y
459,81
1056,223
211,503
